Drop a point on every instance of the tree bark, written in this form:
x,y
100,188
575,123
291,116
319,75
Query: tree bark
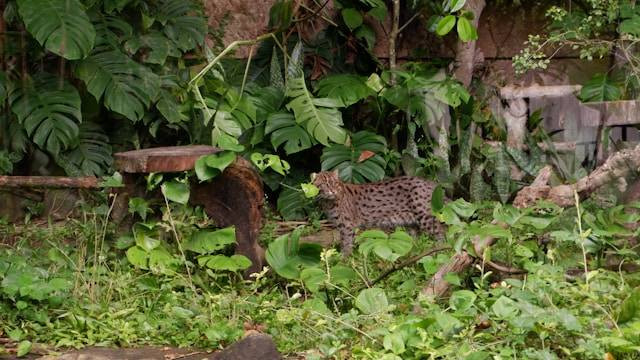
x,y
466,51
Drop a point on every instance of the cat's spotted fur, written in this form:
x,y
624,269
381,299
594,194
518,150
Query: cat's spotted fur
x,y
397,202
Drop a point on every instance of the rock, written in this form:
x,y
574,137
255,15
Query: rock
x,y
256,346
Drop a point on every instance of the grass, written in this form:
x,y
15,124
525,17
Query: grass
x,y
68,285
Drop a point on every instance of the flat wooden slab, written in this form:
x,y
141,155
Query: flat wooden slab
x,y
161,159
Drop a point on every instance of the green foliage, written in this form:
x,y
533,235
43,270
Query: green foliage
x,y
49,110
348,88
61,26
209,166
285,130
349,162
286,255
387,247
320,116
600,88
127,87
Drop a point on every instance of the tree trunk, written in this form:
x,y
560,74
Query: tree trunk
x,y
466,51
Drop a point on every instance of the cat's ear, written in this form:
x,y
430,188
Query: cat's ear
x,y
313,177
336,173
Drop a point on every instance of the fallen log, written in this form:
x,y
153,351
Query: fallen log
x,y
616,167
82,182
438,286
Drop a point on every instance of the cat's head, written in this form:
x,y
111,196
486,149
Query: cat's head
x,y
329,184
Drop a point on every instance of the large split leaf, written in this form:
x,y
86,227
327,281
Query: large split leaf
x,y
285,130
319,116
49,111
92,155
348,88
128,88
600,88
61,26
183,22
349,159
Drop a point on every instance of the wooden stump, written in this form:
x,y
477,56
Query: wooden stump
x,y
233,198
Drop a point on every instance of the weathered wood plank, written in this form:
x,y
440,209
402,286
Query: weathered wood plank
x,y
162,159
82,182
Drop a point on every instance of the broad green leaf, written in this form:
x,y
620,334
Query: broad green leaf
x,y
203,171
285,130
265,161
176,191
454,5
341,274
61,26
161,261
228,142
207,241
601,87
463,207
145,236
478,355
226,263
346,159
313,278
348,88
49,111
183,22
371,301
309,190
281,14
351,17
394,342
379,12
112,181
462,300
92,154
505,308
292,204
128,88
366,33
319,116
285,255
138,205
220,160
157,46
631,26
466,31
389,248
138,257
24,347
445,25
630,307
275,71
437,199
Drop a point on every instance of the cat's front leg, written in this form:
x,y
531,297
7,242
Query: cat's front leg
x,y
347,234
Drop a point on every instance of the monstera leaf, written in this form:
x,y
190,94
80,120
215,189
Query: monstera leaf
x,y
285,130
110,30
128,88
49,111
600,88
61,26
347,88
319,116
159,46
360,162
92,156
183,23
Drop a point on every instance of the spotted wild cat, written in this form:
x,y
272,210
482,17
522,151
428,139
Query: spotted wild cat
x,y
401,201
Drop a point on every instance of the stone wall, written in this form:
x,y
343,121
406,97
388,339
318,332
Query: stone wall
x,y
502,32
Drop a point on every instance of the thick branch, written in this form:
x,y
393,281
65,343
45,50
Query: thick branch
x,y
617,166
